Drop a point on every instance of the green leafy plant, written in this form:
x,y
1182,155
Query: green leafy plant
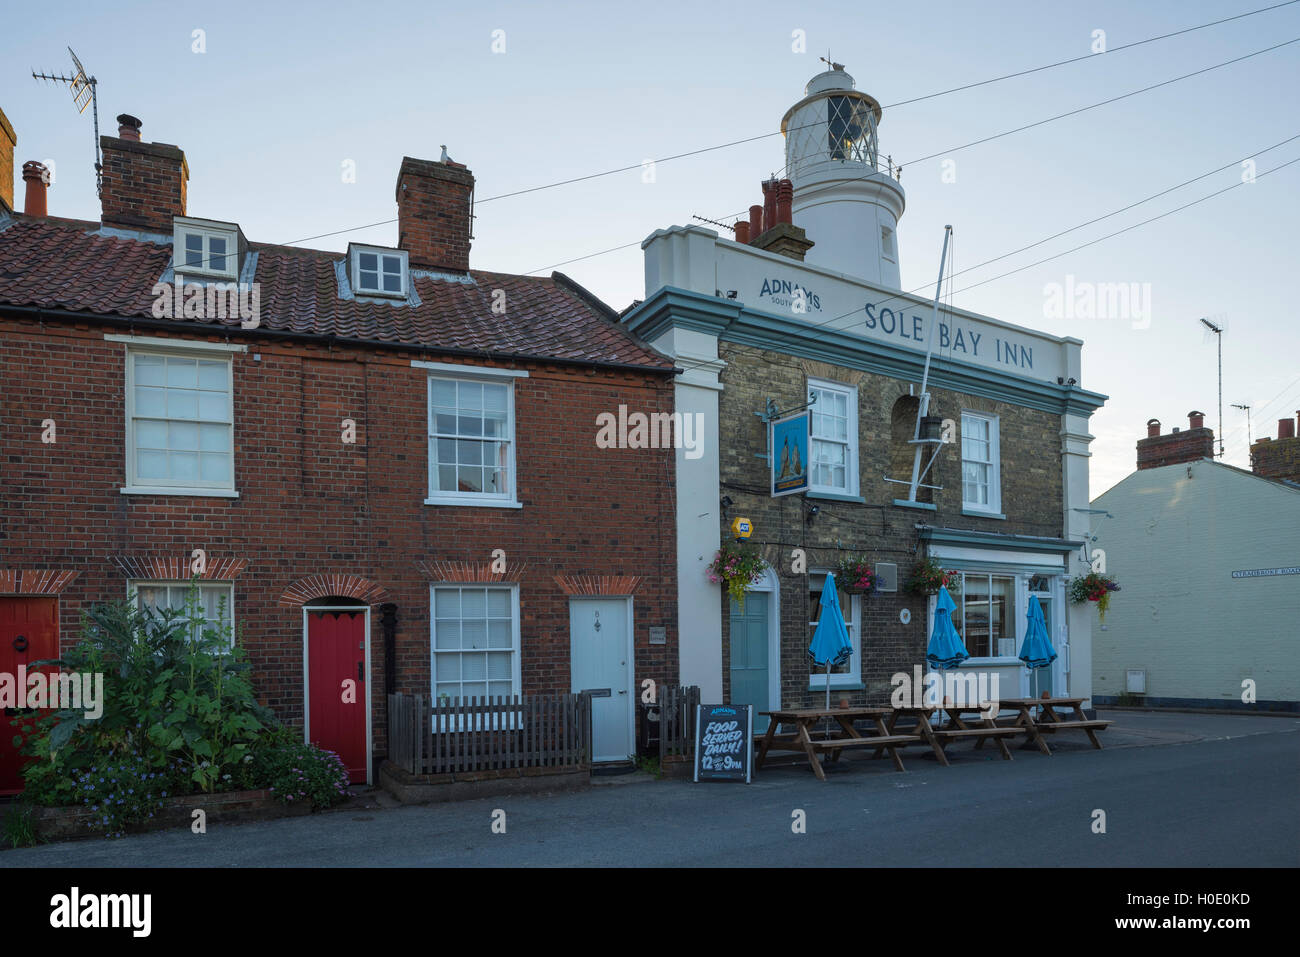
x,y
297,772
929,576
738,567
19,830
1093,587
124,790
176,688
650,766
855,575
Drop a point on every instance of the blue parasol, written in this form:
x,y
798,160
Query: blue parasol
x,y
1036,651
830,642
946,649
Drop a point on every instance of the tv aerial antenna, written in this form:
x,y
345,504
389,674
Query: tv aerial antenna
x,y
84,93
1245,408
1217,329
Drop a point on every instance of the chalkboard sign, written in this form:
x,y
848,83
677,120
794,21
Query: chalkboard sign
x,y
724,742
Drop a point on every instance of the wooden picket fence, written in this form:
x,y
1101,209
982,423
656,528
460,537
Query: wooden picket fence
x,y
489,733
677,720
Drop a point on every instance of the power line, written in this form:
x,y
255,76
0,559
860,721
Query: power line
x,y
889,106
1069,113
751,139
996,136
1066,252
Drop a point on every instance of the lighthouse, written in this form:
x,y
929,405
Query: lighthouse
x,y
844,197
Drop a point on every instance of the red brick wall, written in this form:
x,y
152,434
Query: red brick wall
x,y
1276,458
1186,446
433,213
310,504
144,184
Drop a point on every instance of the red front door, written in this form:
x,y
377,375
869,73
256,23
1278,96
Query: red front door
x,y
29,631
336,686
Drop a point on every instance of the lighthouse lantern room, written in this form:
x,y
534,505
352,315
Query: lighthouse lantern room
x,y
844,197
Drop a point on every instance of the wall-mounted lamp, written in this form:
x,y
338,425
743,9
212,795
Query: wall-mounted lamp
x,y
726,503
813,512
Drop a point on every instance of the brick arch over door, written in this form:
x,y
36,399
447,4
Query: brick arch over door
x,y
341,586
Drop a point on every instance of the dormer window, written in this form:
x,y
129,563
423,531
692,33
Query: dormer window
x,y
376,271
206,248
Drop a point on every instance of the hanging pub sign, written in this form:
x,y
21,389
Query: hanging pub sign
x,y
788,453
724,742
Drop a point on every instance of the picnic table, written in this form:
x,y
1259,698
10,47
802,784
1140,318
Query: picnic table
x,y
956,728
1051,721
845,735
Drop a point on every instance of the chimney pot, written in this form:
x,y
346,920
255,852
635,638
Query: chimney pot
x,y
742,232
769,203
37,177
1285,429
756,221
128,127
1153,428
785,202
1196,420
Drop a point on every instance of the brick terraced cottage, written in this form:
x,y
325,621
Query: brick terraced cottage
x,y
360,432
802,310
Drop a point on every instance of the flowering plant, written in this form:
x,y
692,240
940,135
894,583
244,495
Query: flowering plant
x,y
929,576
738,567
1093,587
855,576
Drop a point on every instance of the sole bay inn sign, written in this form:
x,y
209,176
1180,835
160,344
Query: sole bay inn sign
x,y
835,302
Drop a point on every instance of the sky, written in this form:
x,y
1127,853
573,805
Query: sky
x,y
272,102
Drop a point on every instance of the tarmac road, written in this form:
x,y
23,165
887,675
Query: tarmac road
x,y
1178,790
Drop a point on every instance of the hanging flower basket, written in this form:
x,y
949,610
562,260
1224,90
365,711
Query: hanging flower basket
x,y
929,576
738,567
1093,587
855,575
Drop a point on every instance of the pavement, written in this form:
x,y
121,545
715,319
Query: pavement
x,y
1171,789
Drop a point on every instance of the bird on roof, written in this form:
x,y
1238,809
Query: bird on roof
x,y
445,157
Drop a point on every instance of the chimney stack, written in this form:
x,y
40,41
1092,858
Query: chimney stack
x,y
36,177
435,213
775,232
144,184
742,231
1178,446
8,141
1278,459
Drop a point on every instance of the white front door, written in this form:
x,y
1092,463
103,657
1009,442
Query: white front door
x,y
600,656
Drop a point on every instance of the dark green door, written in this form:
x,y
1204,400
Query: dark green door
x,y
749,664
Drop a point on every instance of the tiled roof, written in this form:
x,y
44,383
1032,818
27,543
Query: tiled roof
x,y
69,265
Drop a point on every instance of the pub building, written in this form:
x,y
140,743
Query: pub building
x,y
801,314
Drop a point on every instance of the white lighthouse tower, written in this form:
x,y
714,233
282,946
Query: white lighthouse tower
x,y
846,201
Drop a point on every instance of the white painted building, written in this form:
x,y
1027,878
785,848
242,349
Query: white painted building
x,y
842,305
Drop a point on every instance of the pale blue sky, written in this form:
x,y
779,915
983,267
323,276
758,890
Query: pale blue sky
x,y
285,93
